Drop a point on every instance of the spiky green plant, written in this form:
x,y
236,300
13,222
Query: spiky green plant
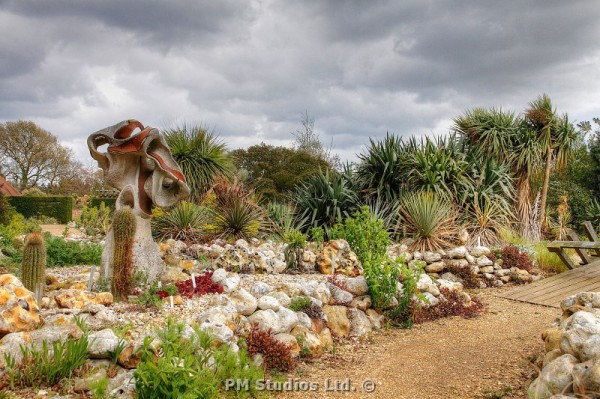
x,y
34,263
185,221
429,220
296,241
124,225
325,198
200,154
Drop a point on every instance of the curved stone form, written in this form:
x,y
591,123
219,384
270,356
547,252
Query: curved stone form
x,y
140,165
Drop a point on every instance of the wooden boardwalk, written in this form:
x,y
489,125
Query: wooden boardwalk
x,y
552,290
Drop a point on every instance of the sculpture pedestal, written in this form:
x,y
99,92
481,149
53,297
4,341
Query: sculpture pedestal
x,y
146,253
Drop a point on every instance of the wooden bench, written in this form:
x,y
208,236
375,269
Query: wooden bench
x,y
581,247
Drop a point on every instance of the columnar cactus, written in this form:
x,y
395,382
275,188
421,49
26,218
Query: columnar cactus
x,y
124,225
34,263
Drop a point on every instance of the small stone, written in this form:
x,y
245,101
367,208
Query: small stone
x,y
268,302
457,253
485,261
231,283
357,286
244,302
102,343
78,299
435,267
219,275
431,257
486,269
480,251
361,302
259,289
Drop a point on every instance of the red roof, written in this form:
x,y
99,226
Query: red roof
x,y
7,189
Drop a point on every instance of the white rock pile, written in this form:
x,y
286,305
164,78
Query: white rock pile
x,y
571,363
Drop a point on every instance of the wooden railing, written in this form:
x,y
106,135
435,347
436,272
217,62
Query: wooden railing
x,y
583,248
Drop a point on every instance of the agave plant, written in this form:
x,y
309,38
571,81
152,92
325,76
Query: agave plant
x,y
486,221
185,221
325,198
235,211
200,154
429,220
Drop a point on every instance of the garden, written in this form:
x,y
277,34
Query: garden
x,y
285,266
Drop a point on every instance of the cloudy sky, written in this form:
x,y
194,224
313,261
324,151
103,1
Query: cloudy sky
x,y
248,69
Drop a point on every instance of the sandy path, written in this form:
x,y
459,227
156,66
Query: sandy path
x,y
450,358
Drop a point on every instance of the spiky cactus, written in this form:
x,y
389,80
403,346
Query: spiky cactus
x,y
124,225
34,263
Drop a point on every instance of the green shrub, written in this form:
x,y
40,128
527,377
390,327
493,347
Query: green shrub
x,y
63,253
47,366
60,208
150,297
296,241
369,239
191,368
317,234
95,220
109,203
17,226
299,303
325,198
282,218
185,221
403,314
429,221
6,211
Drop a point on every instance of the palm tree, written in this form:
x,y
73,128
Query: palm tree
x,y
200,154
504,137
556,136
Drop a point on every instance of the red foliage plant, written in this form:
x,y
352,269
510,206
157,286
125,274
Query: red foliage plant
x,y
276,354
204,285
454,305
512,256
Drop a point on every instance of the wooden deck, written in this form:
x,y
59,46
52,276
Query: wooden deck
x,y
552,290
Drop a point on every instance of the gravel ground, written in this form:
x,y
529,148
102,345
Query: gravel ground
x,y
450,358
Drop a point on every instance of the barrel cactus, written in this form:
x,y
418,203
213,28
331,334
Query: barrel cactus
x,y
34,263
124,225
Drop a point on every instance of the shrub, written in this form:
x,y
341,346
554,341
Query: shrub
x,y
33,269
368,238
453,304
317,234
63,253
150,297
325,198
95,220
403,314
17,226
60,208
296,241
47,366
429,221
276,355
282,218
185,221
6,211
299,303
512,256
109,203
235,212
191,368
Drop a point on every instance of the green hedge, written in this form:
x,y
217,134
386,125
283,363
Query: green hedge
x,y
60,208
109,202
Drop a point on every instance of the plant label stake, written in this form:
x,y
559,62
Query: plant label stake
x,y
39,289
91,280
171,300
159,285
194,281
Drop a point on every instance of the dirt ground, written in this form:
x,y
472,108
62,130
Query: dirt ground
x,y
56,229
485,357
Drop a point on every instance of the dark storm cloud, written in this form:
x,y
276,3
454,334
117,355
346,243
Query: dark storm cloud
x,y
249,69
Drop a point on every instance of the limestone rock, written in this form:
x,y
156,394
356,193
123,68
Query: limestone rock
x,y
244,302
586,378
357,286
219,275
346,262
231,283
308,340
259,289
304,320
457,253
485,261
268,302
458,263
551,338
581,336
361,302
377,320
282,297
78,299
224,315
359,322
435,267
287,319
480,251
220,332
338,295
102,343
431,257
555,378
337,320
18,309
266,320
322,293
172,275
289,340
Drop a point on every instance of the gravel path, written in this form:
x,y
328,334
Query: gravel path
x,y
449,358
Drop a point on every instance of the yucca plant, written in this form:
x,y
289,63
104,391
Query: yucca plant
x,y
235,211
325,198
200,154
186,221
429,221
282,218
486,220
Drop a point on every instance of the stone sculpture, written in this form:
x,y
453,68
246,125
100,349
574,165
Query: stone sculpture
x,y
141,166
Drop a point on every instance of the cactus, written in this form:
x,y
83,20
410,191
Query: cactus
x,y
124,225
34,264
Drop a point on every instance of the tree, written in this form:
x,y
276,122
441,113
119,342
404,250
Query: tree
x,y
32,156
308,140
275,171
557,137
200,154
593,144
